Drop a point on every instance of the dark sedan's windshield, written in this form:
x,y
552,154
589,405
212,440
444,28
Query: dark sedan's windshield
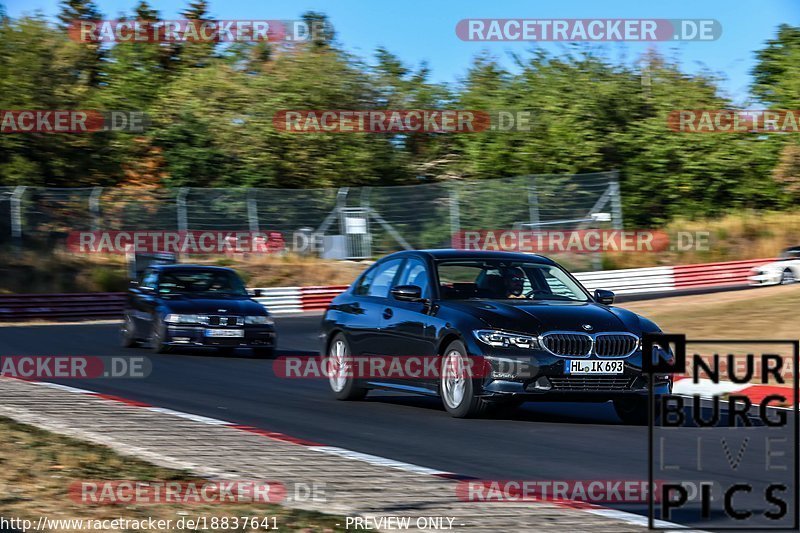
x,y
201,282
500,280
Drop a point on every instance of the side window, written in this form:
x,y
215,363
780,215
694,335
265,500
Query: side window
x,y
149,279
415,273
382,281
366,282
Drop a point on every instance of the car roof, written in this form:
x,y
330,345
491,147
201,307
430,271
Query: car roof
x,y
441,254
182,266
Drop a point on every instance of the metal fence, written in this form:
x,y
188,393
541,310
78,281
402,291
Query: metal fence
x,y
356,222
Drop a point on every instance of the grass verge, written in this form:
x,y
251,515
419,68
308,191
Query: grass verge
x,y
37,468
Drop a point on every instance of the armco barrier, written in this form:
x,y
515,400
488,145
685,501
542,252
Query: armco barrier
x,y
714,274
61,306
290,300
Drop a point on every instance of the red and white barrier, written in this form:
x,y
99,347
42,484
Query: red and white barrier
x,y
287,300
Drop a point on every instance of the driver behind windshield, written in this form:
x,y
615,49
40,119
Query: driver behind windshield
x,y
514,278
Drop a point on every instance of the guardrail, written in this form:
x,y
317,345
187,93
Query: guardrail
x,y
292,300
61,306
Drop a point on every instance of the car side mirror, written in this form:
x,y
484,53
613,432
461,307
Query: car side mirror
x,y
603,296
407,293
256,293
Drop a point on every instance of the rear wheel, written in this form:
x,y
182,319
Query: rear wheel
x,y
340,375
127,333
457,389
787,277
635,410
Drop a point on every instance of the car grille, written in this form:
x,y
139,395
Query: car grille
x,y
219,320
591,383
615,345
568,344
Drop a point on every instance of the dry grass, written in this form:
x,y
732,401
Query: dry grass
x,y
767,312
37,468
760,314
747,235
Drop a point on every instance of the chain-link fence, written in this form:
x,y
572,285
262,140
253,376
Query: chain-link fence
x,y
353,223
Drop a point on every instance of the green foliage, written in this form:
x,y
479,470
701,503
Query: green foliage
x,y
212,106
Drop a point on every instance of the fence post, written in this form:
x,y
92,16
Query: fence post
x,y
181,201
15,204
94,207
533,202
455,214
252,212
616,201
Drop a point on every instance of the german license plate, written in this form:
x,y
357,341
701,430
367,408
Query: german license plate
x,y
224,333
594,366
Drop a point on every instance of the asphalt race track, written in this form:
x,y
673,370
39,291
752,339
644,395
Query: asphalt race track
x,y
539,441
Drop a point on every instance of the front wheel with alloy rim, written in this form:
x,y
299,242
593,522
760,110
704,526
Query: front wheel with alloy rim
x,y
458,390
787,277
158,335
340,375
127,333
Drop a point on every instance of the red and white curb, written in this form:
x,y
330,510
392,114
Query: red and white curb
x,y
623,516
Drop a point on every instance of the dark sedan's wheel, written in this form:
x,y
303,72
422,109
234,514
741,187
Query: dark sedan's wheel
x,y
457,389
634,410
340,377
787,278
263,353
157,337
127,333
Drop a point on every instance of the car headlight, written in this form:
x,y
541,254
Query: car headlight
x,y
258,319
182,319
501,339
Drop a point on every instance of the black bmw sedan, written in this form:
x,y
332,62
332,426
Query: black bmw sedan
x,y
186,305
532,327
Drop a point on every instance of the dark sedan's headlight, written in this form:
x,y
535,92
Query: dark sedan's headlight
x,y
174,318
501,339
258,319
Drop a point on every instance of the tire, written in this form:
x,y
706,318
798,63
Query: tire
x,y
157,337
634,411
226,351
343,387
264,353
787,278
458,392
127,333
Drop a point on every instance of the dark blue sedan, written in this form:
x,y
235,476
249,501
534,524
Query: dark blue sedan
x,y
187,305
528,327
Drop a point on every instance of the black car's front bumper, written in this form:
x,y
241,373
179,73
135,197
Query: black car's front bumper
x,y
255,336
544,376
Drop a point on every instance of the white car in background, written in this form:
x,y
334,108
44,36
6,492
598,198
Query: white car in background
x,y
784,271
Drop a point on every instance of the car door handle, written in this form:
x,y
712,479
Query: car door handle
x,y
387,313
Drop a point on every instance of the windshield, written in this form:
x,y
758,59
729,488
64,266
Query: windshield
x,y
501,280
201,282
